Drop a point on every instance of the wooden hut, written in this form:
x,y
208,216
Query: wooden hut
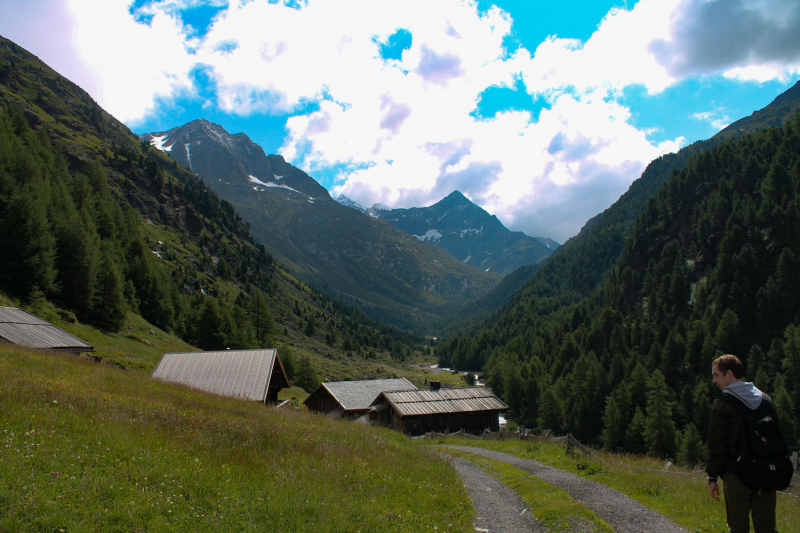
x,y
472,409
352,399
255,375
22,328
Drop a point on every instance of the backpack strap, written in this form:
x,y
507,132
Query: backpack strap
x,y
737,404
741,407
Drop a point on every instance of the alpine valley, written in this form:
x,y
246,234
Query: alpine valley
x,y
344,251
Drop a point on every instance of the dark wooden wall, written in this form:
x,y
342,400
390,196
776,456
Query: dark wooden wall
x,y
474,422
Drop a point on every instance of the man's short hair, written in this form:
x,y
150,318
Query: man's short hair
x,y
729,362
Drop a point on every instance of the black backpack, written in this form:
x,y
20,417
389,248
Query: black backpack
x,y
762,457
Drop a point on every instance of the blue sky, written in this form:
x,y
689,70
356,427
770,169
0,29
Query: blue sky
x,y
541,112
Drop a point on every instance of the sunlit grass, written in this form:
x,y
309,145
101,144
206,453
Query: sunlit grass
x,y
680,494
90,447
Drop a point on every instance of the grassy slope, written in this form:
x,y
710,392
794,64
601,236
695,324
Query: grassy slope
x,y
90,447
86,132
680,494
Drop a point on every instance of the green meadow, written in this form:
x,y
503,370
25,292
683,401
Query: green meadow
x,y
88,446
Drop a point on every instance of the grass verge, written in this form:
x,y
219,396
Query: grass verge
x,y
91,447
552,507
680,494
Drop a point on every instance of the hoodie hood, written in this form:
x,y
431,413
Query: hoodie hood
x,y
747,392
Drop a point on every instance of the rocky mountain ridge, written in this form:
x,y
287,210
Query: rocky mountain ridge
x,y
465,231
361,258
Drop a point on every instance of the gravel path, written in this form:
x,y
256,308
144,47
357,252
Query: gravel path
x,y
498,509
624,514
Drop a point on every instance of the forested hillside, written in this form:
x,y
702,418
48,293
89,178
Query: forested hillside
x,y
710,267
104,225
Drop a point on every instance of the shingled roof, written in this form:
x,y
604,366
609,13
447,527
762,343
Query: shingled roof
x,y
242,374
358,395
25,329
442,401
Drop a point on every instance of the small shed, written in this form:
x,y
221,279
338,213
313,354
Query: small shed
x,y
472,409
22,328
352,398
255,375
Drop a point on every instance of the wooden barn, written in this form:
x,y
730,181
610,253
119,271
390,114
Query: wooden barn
x,y
22,328
255,375
352,399
472,409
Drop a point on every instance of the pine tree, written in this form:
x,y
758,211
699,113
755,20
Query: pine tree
x,y
306,377
691,450
634,436
550,411
109,306
786,418
210,327
615,426
702,408
263,324
287,359
659,432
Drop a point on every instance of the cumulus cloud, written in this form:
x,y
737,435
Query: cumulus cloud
x,y
712,36
717,118
399,121
437,68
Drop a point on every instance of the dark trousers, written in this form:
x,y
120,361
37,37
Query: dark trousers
x,y
741,501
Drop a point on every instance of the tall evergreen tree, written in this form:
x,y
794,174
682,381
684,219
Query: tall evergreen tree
x,y
659,432
550,411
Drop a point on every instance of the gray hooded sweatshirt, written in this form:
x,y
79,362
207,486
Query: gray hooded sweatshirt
x,y
746,392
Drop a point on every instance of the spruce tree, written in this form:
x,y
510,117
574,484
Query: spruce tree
x,y
306,377
615,426
109,306
659,432
634,436
691,450
550,411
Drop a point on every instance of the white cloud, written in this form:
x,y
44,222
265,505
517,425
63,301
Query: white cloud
x,y
404,126
137,63
717,118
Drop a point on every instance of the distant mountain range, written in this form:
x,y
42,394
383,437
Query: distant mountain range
x,y
362,258
465,231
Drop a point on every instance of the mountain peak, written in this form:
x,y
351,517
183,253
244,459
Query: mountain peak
x,y
458,197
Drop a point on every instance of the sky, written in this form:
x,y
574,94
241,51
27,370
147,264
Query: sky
x,y
542,113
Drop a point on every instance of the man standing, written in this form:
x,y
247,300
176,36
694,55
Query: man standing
x,y
723,439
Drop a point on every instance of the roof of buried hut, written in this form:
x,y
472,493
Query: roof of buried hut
x,y
242,374
25,329
443,401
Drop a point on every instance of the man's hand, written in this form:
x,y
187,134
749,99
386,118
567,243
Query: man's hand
x,y
713,490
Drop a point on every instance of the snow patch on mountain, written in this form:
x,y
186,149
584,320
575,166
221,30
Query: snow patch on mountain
x,y
254,179
431,236
471,230
158,143
188,154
